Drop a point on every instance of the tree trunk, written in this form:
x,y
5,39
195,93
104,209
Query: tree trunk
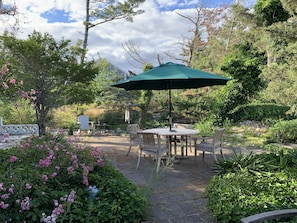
x,y
41,113
143,117
86,34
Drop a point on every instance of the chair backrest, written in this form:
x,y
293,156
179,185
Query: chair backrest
x,y
148,140
133,128
100,122
182,126
269,215
218,138
83,122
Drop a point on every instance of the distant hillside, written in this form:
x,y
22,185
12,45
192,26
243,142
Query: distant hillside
x,y
116,69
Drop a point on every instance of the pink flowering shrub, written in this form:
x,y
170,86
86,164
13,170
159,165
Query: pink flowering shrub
x,y
12,92
50,179
10,88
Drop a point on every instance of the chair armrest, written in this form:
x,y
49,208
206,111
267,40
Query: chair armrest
x,y
196,138
269,215
206,138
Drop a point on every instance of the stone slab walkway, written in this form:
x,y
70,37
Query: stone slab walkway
x,y
176,193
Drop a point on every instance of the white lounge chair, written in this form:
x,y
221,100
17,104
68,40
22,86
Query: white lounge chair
x,y
85,124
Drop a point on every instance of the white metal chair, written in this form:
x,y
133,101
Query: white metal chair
x,y
212,144
150,143
84,124
132,130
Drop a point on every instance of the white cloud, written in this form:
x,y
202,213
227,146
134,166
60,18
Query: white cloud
x,y
154,31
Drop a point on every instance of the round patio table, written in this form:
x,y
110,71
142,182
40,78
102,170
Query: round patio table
x,y
174,132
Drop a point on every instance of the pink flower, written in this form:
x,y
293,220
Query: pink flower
x,y
13,159
28,186
5,85
45,178
2,187
56,202
71,196
100,162
12,81
54,174
45,163
4,196
25,204
3,205
58,210
85,180
70,170
74,160
69,140
11,189
25,95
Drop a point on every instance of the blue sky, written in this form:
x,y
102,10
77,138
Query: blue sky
x,y
59,15
155,33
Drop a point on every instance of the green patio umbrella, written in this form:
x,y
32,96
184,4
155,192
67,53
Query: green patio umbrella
x,y
171,76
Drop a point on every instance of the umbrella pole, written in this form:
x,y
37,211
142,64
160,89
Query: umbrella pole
x,y
170,108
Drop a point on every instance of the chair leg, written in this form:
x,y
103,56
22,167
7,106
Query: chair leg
x,y
222,154
182,147
158,163
129,149
190,144
139,156
215,157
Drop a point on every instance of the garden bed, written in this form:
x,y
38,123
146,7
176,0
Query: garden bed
x,y
48,179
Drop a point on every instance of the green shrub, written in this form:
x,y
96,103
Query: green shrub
x,y
252,163
236,195
264,112
111,117
283,131
19,112
205,127
48,178
247,184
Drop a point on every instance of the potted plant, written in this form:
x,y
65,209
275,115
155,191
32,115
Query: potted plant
x,y
71,126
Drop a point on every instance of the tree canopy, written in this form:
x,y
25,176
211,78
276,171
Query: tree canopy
x,y
49,67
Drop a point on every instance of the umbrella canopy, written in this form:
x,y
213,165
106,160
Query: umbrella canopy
x,y
171,76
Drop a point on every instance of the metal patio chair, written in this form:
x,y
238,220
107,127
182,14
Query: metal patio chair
x,y
150,144
211,144
132,129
